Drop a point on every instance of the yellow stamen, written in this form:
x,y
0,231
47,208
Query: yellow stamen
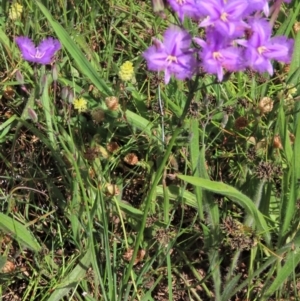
x,y
171,59
217,55
261,49
224,17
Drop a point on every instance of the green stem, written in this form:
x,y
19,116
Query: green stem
x,y
157,178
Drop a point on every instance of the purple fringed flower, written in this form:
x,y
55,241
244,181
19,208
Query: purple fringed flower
x,y
41,54
261,48
173,55
218,54
225,16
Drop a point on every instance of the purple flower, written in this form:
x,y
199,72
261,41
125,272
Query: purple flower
x,y
218,54
225,16
41,54
173,55
261,48
257,5
189,8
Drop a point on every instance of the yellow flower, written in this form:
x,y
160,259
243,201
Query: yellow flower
x,y
292,89
126,71
80,104
15,11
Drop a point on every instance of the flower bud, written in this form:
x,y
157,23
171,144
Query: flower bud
x,y
158,5
224,120
54,72
44,81
64,93
71,96
19,77
32,115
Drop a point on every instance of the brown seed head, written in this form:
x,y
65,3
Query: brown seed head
x,y
112,103
286,68
8,267
277,142
139,257
112,189
241,123
112,147
131,159
292,138
8,93
265,105
296,27
97,115
92,173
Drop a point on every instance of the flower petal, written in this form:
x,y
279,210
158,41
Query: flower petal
x,y
27,48
47,49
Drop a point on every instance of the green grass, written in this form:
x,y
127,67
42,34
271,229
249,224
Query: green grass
x,y
209,210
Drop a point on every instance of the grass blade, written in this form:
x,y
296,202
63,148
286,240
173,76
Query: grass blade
x,y
19,232
71,281
233,194
291,263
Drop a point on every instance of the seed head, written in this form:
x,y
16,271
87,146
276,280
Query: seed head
x,y
112,103
277,142
241,123
265,105
131,159
112,189
296,26
97,115
112,147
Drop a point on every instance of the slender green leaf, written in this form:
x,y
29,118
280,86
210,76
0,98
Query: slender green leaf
x,y
72,279
294,75
291,263
139,122
291,193
19,232
3,260
235,195
48,112
229,287
195,161
282,124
